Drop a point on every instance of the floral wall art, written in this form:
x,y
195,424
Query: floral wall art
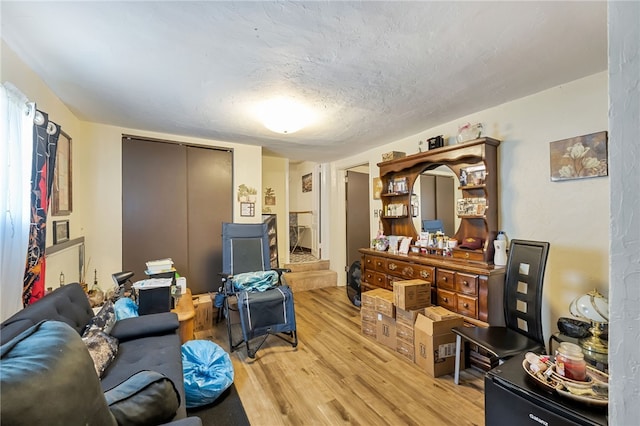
x,y
580,157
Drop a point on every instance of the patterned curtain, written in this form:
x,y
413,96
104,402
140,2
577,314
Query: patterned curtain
x,y
45,143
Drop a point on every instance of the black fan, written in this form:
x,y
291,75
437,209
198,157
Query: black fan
x,y
353,283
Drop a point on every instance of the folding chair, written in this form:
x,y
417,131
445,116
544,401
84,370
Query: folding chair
x,y
255,295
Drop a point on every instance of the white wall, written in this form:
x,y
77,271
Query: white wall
x,y
624,155
572,215
97,176
275,172
304,201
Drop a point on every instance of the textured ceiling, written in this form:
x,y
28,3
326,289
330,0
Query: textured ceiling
x,y
373,71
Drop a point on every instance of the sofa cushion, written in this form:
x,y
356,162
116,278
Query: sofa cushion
x,y
157,353
102,348
145,398
47,377
146,325
68,304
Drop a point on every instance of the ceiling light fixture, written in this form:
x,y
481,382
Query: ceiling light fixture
x,y
284,115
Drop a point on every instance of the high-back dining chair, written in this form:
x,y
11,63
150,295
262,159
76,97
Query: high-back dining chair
x,y
522,307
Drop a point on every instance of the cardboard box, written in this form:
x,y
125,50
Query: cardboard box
x,y
368,321
393,155
435,344
405,333
368,299
203,305
438,313
412,294
386,331
405,349
407,317
384,303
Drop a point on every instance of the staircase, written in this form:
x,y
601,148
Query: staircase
x,y
310,275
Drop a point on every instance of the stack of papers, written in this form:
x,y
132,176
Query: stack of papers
x,y
152,283
159,266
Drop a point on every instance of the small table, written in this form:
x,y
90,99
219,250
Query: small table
x,y
186,316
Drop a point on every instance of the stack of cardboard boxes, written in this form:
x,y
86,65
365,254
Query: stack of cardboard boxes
x,y
404,320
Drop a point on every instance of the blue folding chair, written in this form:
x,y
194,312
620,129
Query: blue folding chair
x,y
256,298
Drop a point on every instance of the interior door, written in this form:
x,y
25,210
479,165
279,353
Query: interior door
x,y
209,203
357,206
174,200
154,204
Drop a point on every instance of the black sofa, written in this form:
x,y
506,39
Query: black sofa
x,y
48,375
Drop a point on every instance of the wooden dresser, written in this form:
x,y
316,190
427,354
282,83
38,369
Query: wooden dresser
x,y
472,290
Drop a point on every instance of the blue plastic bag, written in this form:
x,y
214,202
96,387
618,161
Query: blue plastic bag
x,y
125,308
207,371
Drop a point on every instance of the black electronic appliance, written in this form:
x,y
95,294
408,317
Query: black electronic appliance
x,y
511,397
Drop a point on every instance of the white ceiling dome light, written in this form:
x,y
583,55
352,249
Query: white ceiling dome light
x,y
284,115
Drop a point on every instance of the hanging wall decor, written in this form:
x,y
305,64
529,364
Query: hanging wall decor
x,y
62,200
306,183
580,157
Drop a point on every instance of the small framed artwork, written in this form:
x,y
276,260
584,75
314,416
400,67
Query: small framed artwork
x,y
61,194
60,231
377,188
307,183
579,158
247,209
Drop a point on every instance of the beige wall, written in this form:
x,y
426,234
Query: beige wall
x,y
97,177
572,215
275,172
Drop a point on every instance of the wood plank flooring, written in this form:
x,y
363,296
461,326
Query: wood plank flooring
x,y
336,375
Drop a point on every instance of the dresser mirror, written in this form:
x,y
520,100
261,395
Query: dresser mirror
x,y
437,190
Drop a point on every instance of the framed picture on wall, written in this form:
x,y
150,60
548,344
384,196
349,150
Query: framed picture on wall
x,y
247,209
307,183
60,231
61,194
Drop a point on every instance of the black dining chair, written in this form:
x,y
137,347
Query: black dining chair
x,y
522,307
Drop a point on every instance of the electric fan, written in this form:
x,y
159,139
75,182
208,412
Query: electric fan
x,y
353,283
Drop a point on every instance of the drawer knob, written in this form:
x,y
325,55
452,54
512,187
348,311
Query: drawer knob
x,y
465,283
466,255
465,305
444,279
393,266
446,300
425,274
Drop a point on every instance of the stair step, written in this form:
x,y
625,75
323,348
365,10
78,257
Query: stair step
x,y
309,280
320,265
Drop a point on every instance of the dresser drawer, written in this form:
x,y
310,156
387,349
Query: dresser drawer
x,y
445,279
467,305
402,270
447,299
375,278
467,283
426,273
380,264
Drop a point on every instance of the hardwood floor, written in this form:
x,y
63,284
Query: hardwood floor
x,y
336,375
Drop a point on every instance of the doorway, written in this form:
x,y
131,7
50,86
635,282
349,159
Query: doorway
x,y
357,211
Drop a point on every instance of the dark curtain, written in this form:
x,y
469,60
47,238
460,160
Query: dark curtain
x,y
45,144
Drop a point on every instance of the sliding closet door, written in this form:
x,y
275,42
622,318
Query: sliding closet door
x,y
209,201
174,200
154,204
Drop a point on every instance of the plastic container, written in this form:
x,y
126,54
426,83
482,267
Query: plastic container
x,y
570,362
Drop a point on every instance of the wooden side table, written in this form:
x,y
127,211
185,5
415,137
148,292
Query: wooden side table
x,y
186,315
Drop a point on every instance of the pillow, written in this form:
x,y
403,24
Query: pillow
x,y
104,319
102,347
147,397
